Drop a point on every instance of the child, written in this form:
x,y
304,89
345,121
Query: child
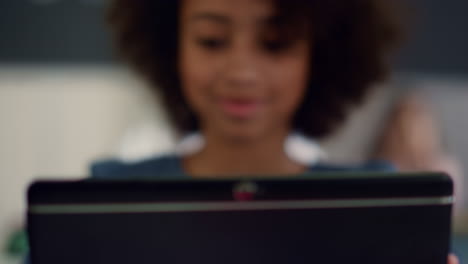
x,y
246,74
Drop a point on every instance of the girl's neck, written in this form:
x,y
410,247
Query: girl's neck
x,y
223,158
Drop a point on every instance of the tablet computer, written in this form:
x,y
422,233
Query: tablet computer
x,y
318,218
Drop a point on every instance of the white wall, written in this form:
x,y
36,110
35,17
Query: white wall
x,y
55,121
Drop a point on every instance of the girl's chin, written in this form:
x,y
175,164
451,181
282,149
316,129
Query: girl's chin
x,y
244,134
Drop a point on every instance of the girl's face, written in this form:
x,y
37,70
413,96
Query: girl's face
x,y
240,76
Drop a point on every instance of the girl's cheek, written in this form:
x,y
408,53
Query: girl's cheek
x,y
290,80
202,66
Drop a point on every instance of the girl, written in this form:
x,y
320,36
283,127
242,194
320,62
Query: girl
x,y
246,74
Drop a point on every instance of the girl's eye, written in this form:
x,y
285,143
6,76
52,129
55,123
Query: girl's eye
x,y
212,43
275,46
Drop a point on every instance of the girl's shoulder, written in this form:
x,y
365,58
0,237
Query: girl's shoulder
x,y
373,165
156,167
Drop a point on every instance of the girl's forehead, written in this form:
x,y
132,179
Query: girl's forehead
x,y
229,9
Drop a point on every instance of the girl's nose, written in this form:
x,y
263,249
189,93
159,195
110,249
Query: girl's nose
x,y
242,69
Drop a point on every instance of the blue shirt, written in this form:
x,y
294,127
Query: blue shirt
x,y
171,166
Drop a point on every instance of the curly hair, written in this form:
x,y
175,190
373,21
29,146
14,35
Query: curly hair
x,y
351,43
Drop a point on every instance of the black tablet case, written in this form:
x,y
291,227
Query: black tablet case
x,y
321,218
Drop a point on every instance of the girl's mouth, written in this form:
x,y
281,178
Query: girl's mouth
x,y
240,108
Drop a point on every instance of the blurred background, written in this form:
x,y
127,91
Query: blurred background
x,y
65,101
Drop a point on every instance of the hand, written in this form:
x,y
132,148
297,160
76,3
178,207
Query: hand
x,y
411,141
452,259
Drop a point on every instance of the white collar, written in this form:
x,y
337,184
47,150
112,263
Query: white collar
x,y
298,148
